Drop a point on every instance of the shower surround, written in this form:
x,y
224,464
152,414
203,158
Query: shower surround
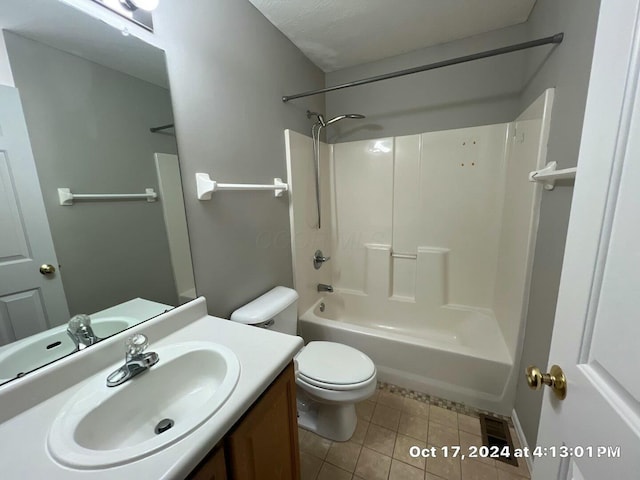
x,y
431,238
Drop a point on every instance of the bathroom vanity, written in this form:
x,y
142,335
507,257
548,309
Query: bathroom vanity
x,y
264,443
229,388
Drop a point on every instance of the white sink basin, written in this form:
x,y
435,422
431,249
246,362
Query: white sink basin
x,y
102,427
38,350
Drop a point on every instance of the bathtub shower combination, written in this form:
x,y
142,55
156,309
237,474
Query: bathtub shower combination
x,y
431,238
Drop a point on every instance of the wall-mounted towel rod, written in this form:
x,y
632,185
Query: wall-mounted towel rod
x,y
162,127
550,174
554,39
205,186
67,198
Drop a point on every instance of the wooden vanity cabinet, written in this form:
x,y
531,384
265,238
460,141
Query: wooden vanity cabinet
x,y
263,445
211,468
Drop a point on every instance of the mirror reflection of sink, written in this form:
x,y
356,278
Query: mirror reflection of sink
x,y
37,350
103,427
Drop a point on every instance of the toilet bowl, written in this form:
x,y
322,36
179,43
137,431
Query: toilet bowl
x,y
331,377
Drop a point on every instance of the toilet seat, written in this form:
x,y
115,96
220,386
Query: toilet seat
x,y
334,366
332,386
347,395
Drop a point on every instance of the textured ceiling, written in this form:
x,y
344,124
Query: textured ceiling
x,y
336,34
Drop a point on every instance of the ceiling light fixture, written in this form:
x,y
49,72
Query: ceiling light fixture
x,y
147,5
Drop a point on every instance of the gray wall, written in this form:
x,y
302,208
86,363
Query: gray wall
x,y
89,131
567,69
228,68
476,93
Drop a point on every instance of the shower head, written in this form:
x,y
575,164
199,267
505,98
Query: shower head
x,y
322,122
319,116
315,136
342,117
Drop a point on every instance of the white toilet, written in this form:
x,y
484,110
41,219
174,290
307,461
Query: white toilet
x,y
331,377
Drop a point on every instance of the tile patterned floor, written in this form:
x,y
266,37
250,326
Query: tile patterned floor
x,y
391,422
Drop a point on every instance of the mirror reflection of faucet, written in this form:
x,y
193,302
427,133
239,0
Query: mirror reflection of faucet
x,y
136,361
80,331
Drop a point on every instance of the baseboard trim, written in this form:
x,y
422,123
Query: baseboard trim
x,y
522,438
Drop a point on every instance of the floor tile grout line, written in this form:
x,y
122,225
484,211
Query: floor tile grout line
x,y
394,451
358,459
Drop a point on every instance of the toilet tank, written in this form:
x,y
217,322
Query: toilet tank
x,y
279,304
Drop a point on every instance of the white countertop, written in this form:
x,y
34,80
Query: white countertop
x,y
29,405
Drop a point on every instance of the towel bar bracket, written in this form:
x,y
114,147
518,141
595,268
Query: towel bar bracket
x,y
548,175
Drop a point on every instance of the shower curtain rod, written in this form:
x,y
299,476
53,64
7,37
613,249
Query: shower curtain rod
x,y
556,39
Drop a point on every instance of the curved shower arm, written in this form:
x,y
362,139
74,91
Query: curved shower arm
x,y
315,138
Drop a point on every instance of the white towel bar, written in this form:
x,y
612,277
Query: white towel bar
x,y
205,186
67,198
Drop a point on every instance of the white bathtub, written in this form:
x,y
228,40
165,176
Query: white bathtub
x,y
451,352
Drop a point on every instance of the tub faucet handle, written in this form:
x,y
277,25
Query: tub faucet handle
x,y
319,259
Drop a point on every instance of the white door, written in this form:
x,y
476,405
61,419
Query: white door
x,y
596,336
30,301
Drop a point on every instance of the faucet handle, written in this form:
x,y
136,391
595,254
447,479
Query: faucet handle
x,y
136,344
319,259
79,322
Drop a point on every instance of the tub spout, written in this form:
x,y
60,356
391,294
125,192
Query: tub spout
x,y
325,288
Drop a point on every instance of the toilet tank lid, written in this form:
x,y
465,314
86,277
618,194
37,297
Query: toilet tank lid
x,y
266,306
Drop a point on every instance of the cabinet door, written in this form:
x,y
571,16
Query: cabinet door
x,y
211,468
264,445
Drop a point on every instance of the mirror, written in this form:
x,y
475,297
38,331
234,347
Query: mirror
x,y
92,100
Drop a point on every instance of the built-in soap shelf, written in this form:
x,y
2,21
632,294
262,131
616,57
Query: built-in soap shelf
x,y
66,197
548,175
205,186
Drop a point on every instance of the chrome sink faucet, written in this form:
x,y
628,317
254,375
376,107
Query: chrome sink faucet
x,y
136,362
322,287
80,331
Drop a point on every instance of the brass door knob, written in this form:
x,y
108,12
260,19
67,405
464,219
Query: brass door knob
x,y
554,379
47,269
